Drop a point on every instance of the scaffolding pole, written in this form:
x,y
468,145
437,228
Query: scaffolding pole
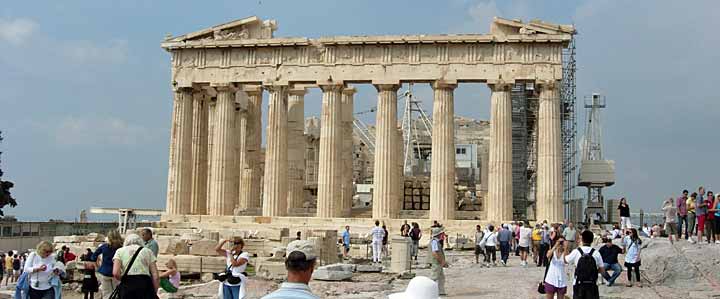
x,y
569,128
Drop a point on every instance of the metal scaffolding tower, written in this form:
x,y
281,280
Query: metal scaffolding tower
x,y
524,111
411,140
569,128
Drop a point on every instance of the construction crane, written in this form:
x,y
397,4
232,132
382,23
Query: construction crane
x,y
596,173
127,218
411,139
360,128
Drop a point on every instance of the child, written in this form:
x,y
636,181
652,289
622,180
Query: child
x,y
90,282
170,279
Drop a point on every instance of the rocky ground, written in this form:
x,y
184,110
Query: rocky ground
x,y
680,271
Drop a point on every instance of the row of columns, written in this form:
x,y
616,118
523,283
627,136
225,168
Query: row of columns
x,y
215,151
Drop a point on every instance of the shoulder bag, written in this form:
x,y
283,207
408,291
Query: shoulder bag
x,y
116,292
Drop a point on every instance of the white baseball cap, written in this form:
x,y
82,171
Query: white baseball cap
x,y
419,287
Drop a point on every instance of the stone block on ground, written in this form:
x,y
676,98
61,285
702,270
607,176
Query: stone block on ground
x,y
191,237
368,268
173,246
278,254
94,237
212,264
203,247
258,247
68,239
335,272
185,263
271,270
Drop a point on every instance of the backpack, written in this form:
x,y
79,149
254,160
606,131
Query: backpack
x,y
415,234
16,264
586,271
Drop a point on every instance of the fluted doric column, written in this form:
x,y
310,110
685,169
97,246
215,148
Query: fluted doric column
x,y
385,135
296,147
241,123
329,169
549,203
180,166
221,200
442,175
250,189
399,183
198,197
346,153
499,205
276,154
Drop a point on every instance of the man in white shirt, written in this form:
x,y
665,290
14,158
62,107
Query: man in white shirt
x,y
377,233
524,242
437,260
585,289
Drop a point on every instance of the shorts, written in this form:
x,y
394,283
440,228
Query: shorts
x,y
717,225
671,228
524,249
625,222
16,272
549,288
700,222
479,250
346,247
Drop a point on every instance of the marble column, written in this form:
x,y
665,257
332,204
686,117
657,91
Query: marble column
x,y
221,185
499,205
549,202
276,154
180,164
442,175
330,166
385,135
296,148
198,198
347,151
399,171
241,121
212,104
250,188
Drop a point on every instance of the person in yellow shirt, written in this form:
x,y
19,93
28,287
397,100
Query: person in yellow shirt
x,y
536,237
691,215
9,267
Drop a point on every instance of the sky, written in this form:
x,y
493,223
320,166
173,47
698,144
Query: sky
x,y
85,101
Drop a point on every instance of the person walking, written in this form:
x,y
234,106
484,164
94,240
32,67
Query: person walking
x,y
570,235
682,215
103,255
624,208
378,234
670,217
386,236
346,241
147,236
690,231
236,262
90,284
609,253
716,211
415,235
536,237
524,237
300,262
545,242
555,282
632,245
40,266
437,260
504,237
490,244
710,218
479,246
588,264
8,267
139,279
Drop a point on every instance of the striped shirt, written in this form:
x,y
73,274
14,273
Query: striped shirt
x,y
377,234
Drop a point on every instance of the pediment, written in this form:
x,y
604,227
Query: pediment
x,y
246,28
502,26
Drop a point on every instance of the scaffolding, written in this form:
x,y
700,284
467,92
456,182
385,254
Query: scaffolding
x,y
524,111
569,129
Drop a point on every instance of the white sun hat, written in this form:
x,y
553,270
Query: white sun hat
x,y
419,287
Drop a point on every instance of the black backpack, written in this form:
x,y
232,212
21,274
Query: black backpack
x,y
16,264
415,234
586,271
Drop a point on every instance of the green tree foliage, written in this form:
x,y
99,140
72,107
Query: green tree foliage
x,y
5,186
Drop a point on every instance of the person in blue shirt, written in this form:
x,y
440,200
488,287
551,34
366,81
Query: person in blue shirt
x,y
300,264
106,251
346,241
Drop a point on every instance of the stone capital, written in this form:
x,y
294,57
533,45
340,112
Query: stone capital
x,y
547,84
224,87
252,89
349,90
331,86
387,87
275,87
444,84
182,89
298,89
500,85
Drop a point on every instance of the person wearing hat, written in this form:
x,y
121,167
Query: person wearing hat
x,y
437,262
419,287
300,264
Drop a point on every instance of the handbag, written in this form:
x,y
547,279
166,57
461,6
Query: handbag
x,y
116,292
227,275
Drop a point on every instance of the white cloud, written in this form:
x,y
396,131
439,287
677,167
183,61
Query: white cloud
x,y
483,12
114,51
16,31
73,131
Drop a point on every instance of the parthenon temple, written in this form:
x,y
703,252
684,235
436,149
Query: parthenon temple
x,y
221,76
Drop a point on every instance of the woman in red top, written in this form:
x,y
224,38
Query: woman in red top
x,y
710,218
